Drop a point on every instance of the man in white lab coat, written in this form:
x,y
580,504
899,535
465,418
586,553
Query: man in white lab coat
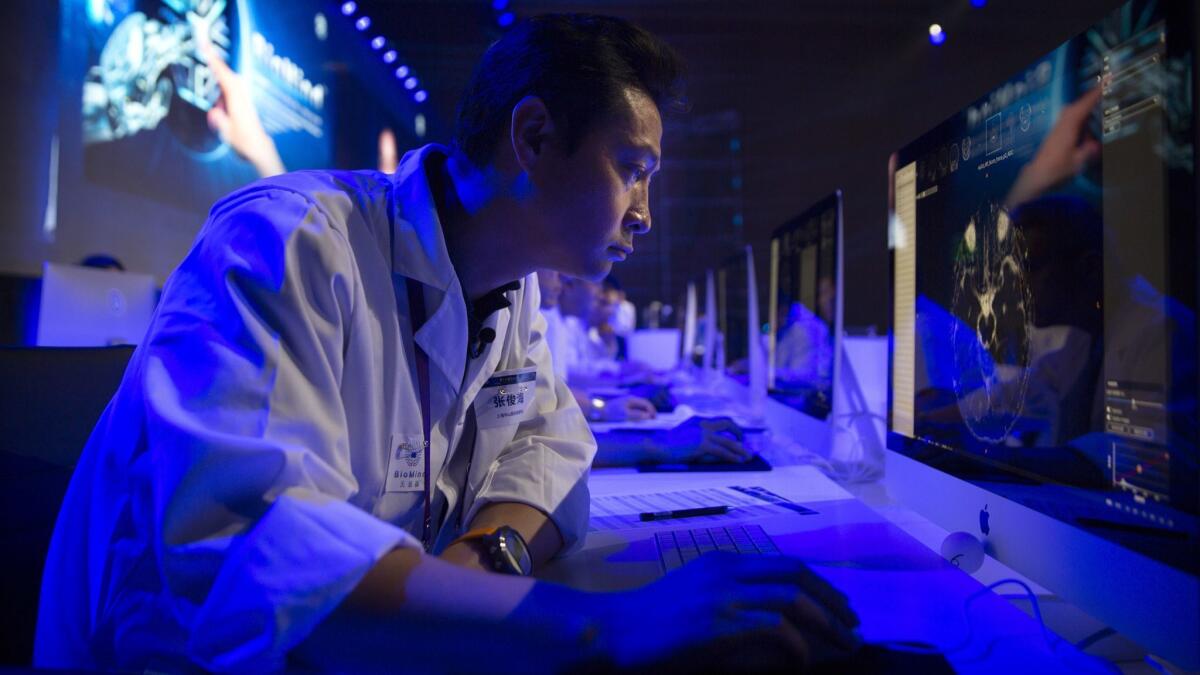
x,y
345,412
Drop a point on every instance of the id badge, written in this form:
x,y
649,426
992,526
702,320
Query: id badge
x,y
406,466
505,397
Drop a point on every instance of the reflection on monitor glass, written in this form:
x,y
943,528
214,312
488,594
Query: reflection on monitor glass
x,y
804,301
1045,288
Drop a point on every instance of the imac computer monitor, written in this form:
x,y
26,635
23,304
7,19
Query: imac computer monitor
x,y
88,307
805,308
1043,365
686,321
740,323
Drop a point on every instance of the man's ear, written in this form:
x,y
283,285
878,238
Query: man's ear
x,y
531,130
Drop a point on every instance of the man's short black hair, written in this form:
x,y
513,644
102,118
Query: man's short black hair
x,y
579,64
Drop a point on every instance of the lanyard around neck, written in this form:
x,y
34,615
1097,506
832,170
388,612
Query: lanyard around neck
x,y
416,315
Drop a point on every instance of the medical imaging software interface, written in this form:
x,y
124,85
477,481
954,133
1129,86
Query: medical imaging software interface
x,y
1044,288
805,255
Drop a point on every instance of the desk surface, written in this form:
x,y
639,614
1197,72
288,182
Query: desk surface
x,y
901,589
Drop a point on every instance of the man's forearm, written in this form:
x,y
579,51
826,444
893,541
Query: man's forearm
x,y
540,533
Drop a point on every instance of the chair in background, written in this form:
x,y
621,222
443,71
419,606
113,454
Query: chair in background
x,y
49,401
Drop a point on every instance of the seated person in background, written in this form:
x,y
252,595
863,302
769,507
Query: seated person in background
x,y
576,355
696,440
623,314
804,353
550,283
102,261
585,352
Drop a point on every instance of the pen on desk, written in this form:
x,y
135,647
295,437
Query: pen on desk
x,y
684,513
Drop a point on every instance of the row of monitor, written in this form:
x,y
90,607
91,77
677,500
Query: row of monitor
x,y
1043,361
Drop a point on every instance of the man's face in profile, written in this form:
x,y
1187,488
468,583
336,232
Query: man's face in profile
x,y
598,197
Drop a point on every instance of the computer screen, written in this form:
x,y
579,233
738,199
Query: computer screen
x,y
1044,288
88,307
803,309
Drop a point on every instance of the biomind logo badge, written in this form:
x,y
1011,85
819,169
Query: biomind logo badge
x,y
408,452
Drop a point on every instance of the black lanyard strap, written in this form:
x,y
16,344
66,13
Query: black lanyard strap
x,y
416,315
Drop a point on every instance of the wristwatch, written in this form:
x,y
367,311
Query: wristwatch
x,y
504,549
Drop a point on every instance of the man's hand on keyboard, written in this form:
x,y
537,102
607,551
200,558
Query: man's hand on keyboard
x,y
723,595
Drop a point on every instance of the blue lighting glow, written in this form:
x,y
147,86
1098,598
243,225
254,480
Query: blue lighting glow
x,y
348,8
499,5
363,23
936,35
506,19
401,72
420,96
389,56
410,83
378,43
978,3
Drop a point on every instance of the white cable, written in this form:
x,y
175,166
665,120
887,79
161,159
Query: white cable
x,y
1051,641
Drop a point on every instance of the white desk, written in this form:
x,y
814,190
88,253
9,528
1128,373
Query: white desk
x,y
901,590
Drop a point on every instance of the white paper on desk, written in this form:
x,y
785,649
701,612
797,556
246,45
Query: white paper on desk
x,y
621,512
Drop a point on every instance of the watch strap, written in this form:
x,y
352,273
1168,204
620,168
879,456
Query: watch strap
x,y
477,533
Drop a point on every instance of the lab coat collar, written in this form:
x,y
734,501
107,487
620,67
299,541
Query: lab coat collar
x,y
419,254
418,244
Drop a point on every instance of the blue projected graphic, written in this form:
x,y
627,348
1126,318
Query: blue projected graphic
x,y
182,101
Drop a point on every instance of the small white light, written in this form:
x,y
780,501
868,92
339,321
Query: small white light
x,y
936,35
389,56
410,83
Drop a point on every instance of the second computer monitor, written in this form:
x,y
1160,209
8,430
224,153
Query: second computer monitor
x,y
805,307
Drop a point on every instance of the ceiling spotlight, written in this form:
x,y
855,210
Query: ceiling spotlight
x,y
936,35
349,7
420,96
389,56
978,3
410,83
506,19
363,23
378,42
401,72
499,5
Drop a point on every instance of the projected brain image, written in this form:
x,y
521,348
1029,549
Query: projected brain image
x,y
150,67
993,307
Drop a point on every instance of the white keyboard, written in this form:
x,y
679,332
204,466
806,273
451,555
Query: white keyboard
x,y
677,547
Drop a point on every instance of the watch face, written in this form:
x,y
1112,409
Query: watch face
x,y
512,548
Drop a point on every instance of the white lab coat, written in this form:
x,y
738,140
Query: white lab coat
x,y
233,492
556,340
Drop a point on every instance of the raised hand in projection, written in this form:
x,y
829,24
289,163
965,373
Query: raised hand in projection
x,y
235,118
